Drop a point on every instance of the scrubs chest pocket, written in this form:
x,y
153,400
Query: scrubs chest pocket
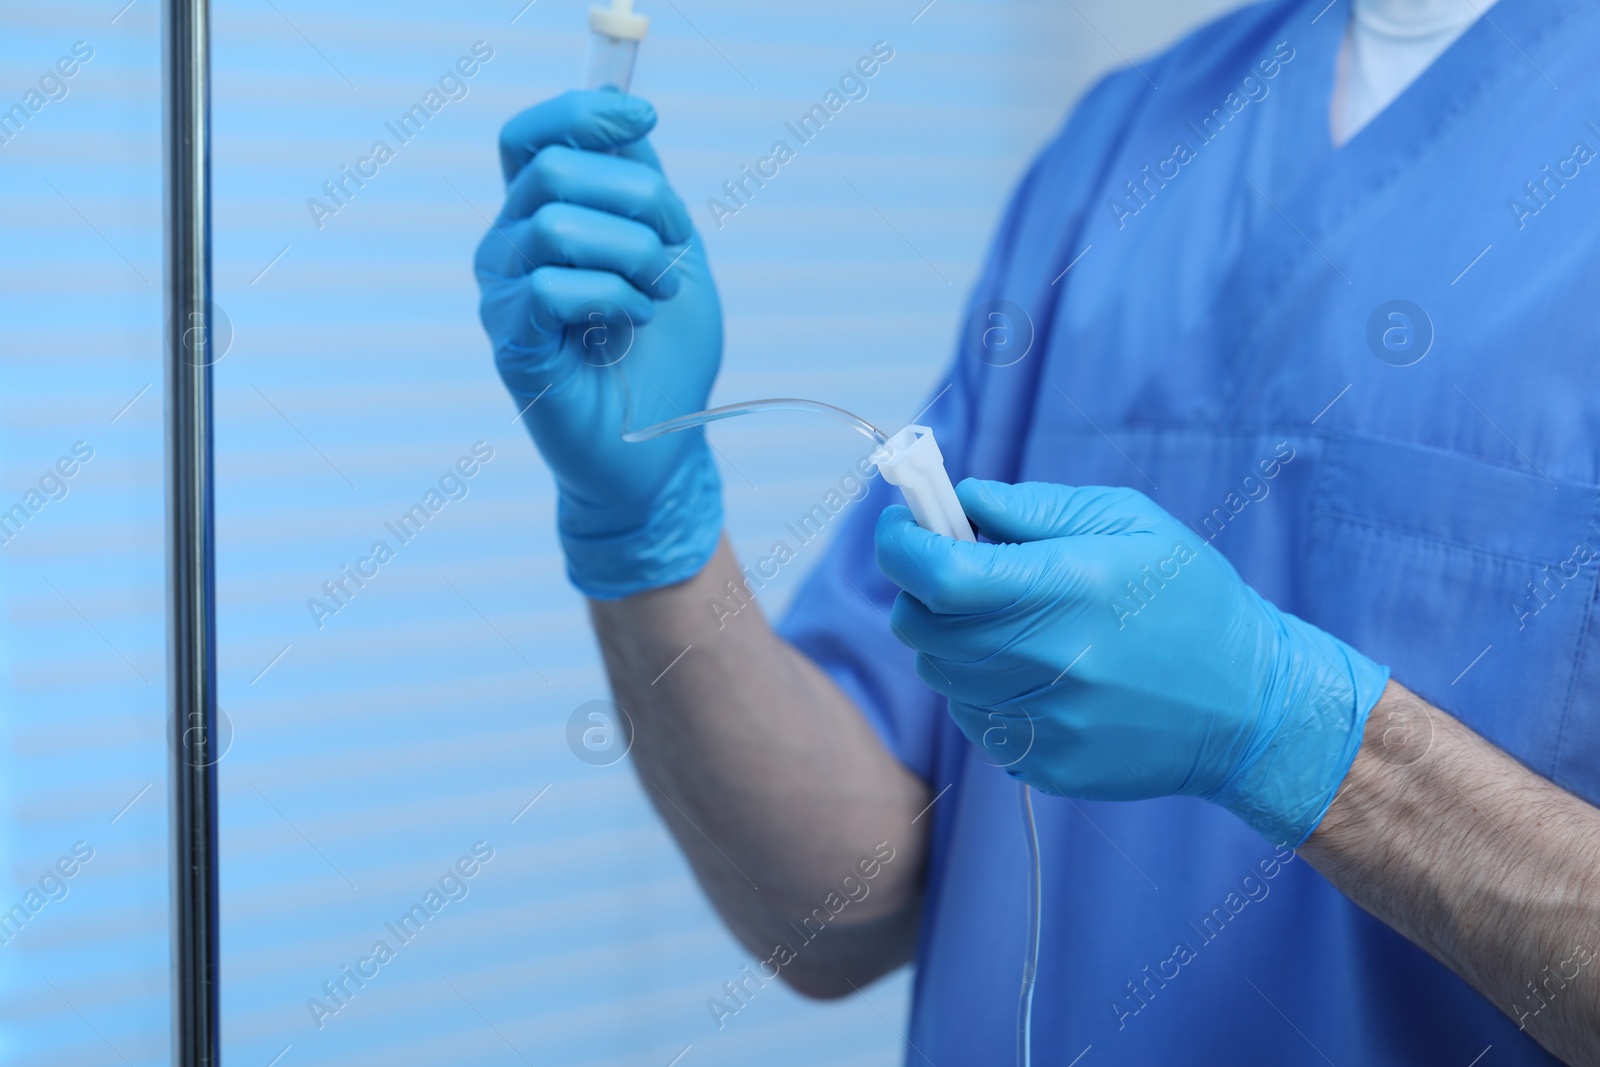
x,y
1472,581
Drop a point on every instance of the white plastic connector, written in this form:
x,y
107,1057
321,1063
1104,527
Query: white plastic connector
x,y
619,21
912,461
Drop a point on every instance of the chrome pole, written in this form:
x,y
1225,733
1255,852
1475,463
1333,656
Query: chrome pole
x,y
191,620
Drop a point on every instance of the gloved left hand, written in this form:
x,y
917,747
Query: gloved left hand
x,y
1124,658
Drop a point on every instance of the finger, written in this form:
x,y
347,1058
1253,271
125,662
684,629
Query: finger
x,y
970,719
935,677
599,120
567,235
1034,511
530,313
950,577
950,639
640,152
607,183
1005,737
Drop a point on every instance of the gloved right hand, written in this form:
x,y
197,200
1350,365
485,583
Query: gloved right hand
x,y
1123,658
591,270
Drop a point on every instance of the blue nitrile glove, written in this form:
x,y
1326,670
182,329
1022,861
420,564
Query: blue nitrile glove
x,y
586,265
1106,651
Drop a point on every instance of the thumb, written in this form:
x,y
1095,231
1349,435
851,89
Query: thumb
x,y
1034,511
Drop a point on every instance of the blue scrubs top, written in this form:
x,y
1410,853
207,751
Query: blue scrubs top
x,y
1422,486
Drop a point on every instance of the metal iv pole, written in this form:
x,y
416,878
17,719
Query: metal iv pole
x,y
191,618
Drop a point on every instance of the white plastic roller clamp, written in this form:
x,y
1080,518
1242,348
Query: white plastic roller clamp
x,y
912,461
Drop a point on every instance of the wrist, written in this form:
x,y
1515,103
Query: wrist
x,y
667,540
1400,731
1327,691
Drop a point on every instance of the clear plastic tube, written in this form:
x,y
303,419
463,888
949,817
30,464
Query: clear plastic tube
x,y
750,407
1030,959
609,62
614,36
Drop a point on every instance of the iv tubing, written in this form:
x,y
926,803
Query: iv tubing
x,y
909,460
1030,959
782,403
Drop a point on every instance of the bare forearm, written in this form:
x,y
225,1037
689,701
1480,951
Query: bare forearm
x,y
768,776
1489,867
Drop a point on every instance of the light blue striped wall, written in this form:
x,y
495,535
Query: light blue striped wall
x,y
423,718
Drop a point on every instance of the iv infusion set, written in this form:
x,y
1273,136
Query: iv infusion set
x,y
908,459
